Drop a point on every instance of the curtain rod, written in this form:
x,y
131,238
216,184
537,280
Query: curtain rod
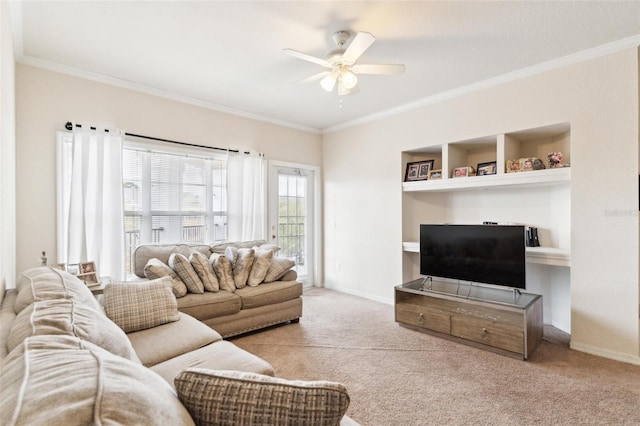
x,y
69,126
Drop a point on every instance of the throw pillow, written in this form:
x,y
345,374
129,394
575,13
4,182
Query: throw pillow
x,y
64,380
220,248
137,306
279,266
220,397
155,268
260,266
268,246
182,266
71,318
203,268
222,268
241,264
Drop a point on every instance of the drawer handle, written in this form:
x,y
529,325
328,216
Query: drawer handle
x,y
420,318
484,333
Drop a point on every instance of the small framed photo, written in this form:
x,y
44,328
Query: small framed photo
x,y
513,166
86,267
90,279
435,174
526,164
418,170
60,266
463,172
488,168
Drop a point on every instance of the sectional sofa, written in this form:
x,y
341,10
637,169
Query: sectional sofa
x,y
238,307
66,359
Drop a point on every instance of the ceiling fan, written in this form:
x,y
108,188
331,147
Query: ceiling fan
x,y
341,64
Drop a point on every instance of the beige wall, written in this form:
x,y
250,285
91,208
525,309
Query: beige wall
x,y
47,100
599,98
7,151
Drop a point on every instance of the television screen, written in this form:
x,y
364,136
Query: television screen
x,y
490,254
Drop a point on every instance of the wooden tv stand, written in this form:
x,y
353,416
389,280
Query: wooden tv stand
x,y
500,320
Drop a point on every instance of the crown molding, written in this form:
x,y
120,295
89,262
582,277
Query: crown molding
x,y
582,56
124,84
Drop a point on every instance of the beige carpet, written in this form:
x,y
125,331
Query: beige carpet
x,y
397,376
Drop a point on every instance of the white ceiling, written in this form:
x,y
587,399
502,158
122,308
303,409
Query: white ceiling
x,y
228,54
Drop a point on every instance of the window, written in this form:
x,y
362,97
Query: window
x,y
172,195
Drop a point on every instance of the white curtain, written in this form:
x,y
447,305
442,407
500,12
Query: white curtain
x,y
246,217
91,224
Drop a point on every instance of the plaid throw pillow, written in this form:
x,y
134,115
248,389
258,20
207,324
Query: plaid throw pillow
x,y
137,306
187,274
220,397
279,266
200,263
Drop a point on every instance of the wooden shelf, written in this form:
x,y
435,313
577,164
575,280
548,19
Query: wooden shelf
x,y
536,178
540,255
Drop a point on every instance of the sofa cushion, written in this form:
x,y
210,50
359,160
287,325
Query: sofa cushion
x,y
234,397
182,266
158,344
68,317
221,247
143,253
222,355
210,305
155,268
203,268
222,268
279,266
268,294
64,380
260,266
44,283
138,305
241,263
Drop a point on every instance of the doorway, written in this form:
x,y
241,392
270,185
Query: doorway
x,y
292,206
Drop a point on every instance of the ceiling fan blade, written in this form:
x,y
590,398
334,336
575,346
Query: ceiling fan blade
x,y
308,58
357,47
314,77
381,69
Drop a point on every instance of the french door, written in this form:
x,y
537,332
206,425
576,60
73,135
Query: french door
x,y
291,217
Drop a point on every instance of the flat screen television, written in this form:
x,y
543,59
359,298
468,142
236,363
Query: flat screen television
x,y
488,254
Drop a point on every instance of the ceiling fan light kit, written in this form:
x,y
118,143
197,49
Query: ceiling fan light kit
x,y
342,64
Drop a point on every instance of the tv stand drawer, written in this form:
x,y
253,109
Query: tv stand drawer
x,y
420,316
494,335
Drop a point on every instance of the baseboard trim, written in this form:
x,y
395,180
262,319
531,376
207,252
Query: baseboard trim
x,y
359,293
617,356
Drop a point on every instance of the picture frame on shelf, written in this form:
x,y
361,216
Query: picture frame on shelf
x,y
435,174
418,170
463,172
487,168
513,166
526,164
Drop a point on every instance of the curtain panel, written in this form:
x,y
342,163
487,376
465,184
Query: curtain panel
x,y
246,189
90,208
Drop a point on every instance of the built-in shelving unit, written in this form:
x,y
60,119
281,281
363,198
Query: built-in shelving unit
x,y
539,198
